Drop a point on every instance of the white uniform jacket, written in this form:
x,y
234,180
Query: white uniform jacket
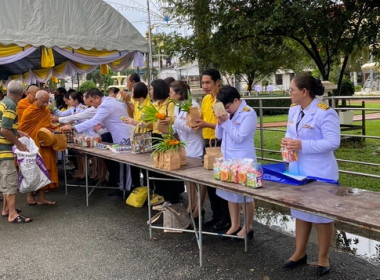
x,y
319,132
237,133
109,114
71,111
193,138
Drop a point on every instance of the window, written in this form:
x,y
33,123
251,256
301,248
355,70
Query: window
x,y
278,79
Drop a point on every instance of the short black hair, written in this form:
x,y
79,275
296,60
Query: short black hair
x,y
160,89
77,96
115,90
180,88
213,73
134,77
228,94
169,80
61,90
94,92
71,90
140,90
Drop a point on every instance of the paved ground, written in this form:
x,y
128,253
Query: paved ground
x,y
109,240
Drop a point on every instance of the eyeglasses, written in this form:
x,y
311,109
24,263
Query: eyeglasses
x,y
227,106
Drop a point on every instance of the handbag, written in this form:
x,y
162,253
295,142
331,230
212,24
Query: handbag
x,y
212,153
174,216
138,197
141,140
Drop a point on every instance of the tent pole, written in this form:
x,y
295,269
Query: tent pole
x,y
150,66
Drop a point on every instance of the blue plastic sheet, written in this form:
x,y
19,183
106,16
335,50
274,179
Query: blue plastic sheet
x,y
275,172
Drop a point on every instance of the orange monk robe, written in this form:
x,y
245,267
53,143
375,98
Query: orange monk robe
x,y
21,106
32,120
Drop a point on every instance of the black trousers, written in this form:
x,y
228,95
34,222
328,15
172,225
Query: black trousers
x,y
113,167
136,177
219,206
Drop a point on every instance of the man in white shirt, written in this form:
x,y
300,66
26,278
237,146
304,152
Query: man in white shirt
x,y
109,112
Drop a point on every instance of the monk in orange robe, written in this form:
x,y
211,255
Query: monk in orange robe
x,y
35,117
27,101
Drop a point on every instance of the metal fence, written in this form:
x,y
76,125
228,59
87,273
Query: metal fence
x,y
333,101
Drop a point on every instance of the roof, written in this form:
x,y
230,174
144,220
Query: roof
x,y
87,24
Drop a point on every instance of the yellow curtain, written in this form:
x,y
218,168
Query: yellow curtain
x,y
60,68
104,69
92,52
81,66
54,79
42,73
47,58
11,49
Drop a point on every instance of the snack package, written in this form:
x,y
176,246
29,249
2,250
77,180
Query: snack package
x,y
217,168
219,109
289,155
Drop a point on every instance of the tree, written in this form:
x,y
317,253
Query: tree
x,y
327,30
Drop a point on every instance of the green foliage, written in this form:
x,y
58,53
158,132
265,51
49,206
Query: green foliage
x,y
101,81
285,103
347,88
86,86
327,31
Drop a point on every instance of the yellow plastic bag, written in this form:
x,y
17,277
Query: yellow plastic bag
x,y
138,197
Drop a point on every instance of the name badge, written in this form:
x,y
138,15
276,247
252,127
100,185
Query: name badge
x,y
307,126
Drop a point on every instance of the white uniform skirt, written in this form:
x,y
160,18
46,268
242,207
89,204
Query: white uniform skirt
x,y
309,217
232,197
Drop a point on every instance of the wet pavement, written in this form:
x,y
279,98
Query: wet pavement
x,y
110,240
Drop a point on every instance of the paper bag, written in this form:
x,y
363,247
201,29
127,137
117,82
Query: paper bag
x,y
158,160
192,116
212,153
171,160
163,128
182,155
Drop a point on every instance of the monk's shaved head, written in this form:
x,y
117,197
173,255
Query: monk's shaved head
x,y
42,93
31,93
42,99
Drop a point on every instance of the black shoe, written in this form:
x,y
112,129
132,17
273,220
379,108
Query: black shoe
x,y
294,264
227,237
221,226
116,193
322,270
210,223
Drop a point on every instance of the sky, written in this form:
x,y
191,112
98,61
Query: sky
x,y
136,13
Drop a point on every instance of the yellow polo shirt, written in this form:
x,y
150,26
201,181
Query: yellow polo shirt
x,y
166,107
138,111
208,116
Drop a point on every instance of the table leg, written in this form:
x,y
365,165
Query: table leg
x,y
198,188
149,206
86,172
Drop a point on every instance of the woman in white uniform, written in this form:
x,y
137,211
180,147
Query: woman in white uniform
x,y
237,130
314,132
193,138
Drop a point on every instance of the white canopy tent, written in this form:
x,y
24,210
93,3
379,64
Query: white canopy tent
x,y
41,39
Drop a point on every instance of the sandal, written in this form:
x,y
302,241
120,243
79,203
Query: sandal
x,y
21,219
6,215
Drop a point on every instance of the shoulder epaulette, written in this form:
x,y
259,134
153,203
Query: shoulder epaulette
x,y
323,106
246,109
293,104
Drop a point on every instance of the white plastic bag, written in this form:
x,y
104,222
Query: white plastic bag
x,y
33,173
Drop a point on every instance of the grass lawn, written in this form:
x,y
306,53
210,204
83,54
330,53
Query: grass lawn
x,y
366,151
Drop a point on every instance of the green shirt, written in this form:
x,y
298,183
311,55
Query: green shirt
x,y
8,120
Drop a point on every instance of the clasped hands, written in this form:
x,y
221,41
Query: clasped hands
x,y
291,144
